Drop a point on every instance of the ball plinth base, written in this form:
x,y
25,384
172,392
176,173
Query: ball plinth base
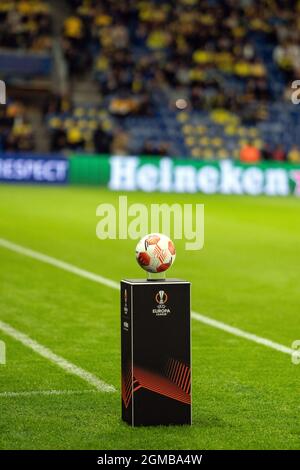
x,y
156,276
155,352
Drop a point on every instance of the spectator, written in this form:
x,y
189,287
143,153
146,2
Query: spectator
x,y
279,154
120,143
164,149
75,139
102,141
249,154
294,155
73,29
16,131
58,140
266,152
147,148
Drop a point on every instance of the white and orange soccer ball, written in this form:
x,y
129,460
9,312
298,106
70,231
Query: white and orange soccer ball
x,y
155,253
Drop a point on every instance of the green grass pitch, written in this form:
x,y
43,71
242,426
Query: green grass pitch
x,y
245,395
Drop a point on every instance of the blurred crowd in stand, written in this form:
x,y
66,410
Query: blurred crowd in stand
x,y
200,78
16,132
25,24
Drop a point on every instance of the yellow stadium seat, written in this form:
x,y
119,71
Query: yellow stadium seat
x,y
253,132
220,116
107,125
55,122
201,129
203,57
82,123
204,140
190,141
236,154
182,117
187,129
68,123
208,153
242,131
217,142
93,124
223,154
102,114
230,130
196,152
258,143
92,112
79,112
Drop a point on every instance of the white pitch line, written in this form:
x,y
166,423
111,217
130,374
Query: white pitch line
x,y
114,285
241,333
30,393
58,360
58,263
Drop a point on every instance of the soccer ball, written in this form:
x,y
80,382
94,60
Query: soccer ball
x,y
155,253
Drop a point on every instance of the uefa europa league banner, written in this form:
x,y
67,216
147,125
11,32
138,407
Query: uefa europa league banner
x,y
150,174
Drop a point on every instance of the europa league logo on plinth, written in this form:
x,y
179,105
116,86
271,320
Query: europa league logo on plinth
x,y
161,297
155,340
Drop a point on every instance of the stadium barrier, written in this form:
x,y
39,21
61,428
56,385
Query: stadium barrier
x,y
149,174
28,64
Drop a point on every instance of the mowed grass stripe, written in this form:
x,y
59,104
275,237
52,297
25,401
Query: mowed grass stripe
x,y
115,285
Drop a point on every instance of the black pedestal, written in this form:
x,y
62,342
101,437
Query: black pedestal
x,y
156,352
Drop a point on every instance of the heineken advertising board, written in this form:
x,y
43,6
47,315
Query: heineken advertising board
x,y
188,176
